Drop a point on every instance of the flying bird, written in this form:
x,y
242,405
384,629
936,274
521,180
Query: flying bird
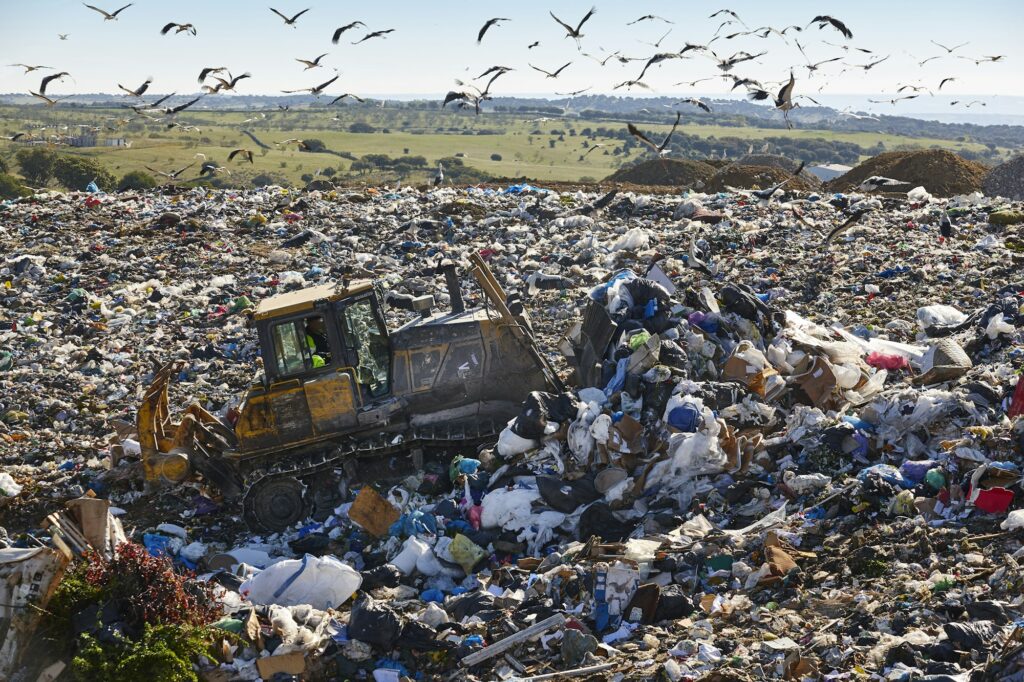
x,y
996,58
287,21
343,96
311,63
657,59
876,182
294,140
783,101
487,25
49,102
179,28
946,80
171,111
30,69
533,45
850,222
375,34
894,99
949,50
592,148
548,73
649,17
48,79
659,149
109,16
695,102
571,32
210,168
729,12
137,92
226,85
316,90
15,136
493,69
738,58
63,36
824,20
210,69
346,27
243,153
170,175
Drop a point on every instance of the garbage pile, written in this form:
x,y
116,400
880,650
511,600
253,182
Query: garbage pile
x,y
778,456
1006,179
939,171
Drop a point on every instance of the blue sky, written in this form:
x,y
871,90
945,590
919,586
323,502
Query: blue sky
x,y
435,43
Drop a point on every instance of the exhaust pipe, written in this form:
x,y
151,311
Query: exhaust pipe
x,y
451,279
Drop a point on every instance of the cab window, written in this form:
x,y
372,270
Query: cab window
x,y
366,336
301,345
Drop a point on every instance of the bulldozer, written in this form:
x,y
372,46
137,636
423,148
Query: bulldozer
x,y
343,399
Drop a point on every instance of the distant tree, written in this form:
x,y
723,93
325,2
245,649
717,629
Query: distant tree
x,y
405,150
3,165
136,180
329,172
361,127
314,145
10,188
75,172
495,157
36,165
307,177
264,179
551,143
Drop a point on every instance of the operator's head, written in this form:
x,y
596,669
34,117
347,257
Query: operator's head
x,y
315,324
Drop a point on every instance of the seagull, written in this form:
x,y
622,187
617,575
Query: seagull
x,y
343,96
876,182
850,222
210,69
783,101
996,58
571,32
287,21
30,69
824,20
602,62
172,175
659,149
493,69
180,28
548,73
346,27
46,81
226,85
811,68
867,67
574,93
949,50
311,64
893,100
375,34
137,92
592,148
439,176
739,57
730,13
316,90
63,36
244,153
109,16
649,17
657,44
533,45
487,25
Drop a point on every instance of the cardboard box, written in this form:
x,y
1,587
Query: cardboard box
x,y
372,512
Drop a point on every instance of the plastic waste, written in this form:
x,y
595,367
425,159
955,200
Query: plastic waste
x,y
323,582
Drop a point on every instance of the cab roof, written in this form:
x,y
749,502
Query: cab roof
x,y
303,299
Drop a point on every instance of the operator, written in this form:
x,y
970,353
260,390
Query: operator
x,y
317,341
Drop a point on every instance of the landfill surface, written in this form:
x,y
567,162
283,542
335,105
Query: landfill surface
x,y
787,458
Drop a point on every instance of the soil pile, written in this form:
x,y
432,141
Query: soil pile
x,y
755,177
939,171
1006,180
675,172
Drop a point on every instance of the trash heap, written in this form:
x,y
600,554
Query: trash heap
x,y
779,457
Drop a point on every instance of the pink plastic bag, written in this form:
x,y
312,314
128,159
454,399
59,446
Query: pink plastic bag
x,y
889,362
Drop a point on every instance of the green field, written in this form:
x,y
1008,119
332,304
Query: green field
x,y
432,134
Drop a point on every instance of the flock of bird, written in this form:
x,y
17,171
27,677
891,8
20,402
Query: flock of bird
x,y
783,94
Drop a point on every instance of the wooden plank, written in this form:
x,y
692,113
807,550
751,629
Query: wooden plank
x,y
523,635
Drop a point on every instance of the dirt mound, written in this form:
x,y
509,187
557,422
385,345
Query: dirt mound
x,y
675,172
754,177
782,162
939,171
1006,180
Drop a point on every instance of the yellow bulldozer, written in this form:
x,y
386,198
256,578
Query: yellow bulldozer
x,y
341,398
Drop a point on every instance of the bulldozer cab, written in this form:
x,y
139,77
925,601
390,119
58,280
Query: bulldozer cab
x,y
326,358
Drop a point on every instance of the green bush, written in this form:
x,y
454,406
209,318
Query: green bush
x,y
75,172
36,164
164,653
3,165
10,188
136,180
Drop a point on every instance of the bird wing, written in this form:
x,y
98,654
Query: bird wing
x,y
664,143
97,9
186,105
299,14
586,17
235,153
946,80
167,28
568,29
786,93
325,84
635,132
182,170
537,68
122,9
561,69
483,30
846,224
279,14
759,95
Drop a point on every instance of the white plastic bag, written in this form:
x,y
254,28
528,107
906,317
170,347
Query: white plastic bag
x,y
322,582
